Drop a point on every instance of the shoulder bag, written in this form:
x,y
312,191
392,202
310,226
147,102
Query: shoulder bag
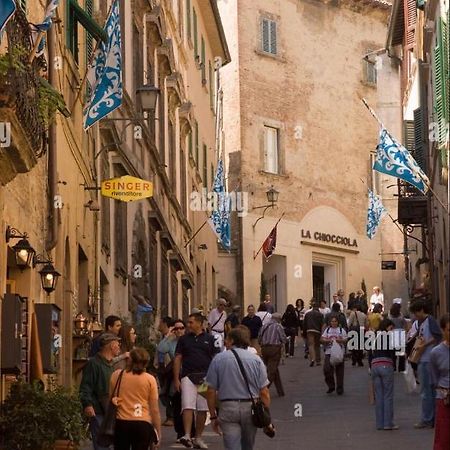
x,y
105,437
260,413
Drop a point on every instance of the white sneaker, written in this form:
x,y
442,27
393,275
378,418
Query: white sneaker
x,y
199,443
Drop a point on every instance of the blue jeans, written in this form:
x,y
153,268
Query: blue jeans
x,y
383,384
427,393
236,422
94,425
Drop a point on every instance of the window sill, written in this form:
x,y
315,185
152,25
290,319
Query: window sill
x,y
368,84
276,57
279,175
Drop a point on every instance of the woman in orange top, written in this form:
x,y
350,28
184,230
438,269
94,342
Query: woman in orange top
x,y
137,405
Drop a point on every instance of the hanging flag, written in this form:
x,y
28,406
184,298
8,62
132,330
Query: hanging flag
x,y
270,243
40,28
105,72
220,217
7,9
395,160
375,212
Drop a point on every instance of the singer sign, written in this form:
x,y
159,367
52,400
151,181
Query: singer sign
x,y
127,188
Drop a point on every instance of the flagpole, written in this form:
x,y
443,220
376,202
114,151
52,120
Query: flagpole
x,y
255,256
425,182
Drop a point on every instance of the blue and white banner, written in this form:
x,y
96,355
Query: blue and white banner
x,y
220,217
7,9
395,160
375,212
45,25
105,72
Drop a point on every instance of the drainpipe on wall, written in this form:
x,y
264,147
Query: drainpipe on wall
x,y
52,238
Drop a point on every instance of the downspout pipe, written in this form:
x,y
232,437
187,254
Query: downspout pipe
x,y
52,237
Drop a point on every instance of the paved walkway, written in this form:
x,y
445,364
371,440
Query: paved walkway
x,y
331,422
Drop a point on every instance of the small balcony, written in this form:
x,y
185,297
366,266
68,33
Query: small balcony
x,y
21,118
412,205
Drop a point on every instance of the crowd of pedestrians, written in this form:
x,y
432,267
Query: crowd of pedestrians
x,y
224,365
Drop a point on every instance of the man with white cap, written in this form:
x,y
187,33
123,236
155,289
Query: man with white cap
x,y
216,321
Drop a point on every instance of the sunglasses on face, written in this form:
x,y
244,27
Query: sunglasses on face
x,y
178,328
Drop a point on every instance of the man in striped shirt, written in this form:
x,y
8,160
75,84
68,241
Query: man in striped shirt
x,y
271,338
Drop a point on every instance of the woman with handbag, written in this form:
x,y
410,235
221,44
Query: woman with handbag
x,y
290,323
357,321
334,334
440,371
138,422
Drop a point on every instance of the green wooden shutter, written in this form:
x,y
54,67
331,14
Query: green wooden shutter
x,y
273,37
419,139
203,60
197,139
205,165
194,19
190,144
188,19
265,35
440,85
211,86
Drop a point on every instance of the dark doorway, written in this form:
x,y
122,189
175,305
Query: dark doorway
x,y
318,282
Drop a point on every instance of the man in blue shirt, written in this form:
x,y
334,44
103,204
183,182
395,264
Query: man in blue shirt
x,y
429,335
225,381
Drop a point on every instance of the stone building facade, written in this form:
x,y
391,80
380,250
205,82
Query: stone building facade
x,y
294,121
113,255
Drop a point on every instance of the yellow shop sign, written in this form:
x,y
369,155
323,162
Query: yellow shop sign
x,y
127,188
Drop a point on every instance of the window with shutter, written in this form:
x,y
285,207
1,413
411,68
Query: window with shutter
x,y
195,26
203,60
419,139
271,150
211,85
188,19
197,145
440,85
269,36
410,17
205,165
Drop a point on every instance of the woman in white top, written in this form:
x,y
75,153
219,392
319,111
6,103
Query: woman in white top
x,y
263,314
334,333
377,297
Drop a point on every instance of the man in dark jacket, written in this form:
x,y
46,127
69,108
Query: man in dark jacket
x,y
112,325
94,387
313,324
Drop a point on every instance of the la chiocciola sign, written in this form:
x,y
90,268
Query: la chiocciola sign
x,y
127,188
330,238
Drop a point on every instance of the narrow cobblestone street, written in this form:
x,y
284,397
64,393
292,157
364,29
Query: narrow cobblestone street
x,y
331,422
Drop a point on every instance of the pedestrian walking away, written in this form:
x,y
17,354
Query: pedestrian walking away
x,y
313,324
194,353
399,321
94,387
271,338
357,322
138,423
290,323
226,383
440,371
429,335
334,333
381,362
